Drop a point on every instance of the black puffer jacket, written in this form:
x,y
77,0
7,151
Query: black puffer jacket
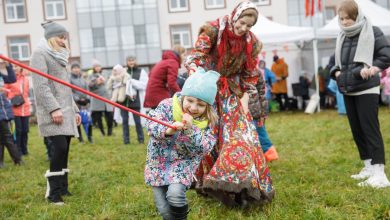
x,y
350,79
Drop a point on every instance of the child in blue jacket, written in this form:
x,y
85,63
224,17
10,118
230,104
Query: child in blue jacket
x,y
174,154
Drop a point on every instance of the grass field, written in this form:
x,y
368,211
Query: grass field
x,y
311,178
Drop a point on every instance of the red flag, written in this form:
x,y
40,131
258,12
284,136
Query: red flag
x,y
307,8
312,8
319,5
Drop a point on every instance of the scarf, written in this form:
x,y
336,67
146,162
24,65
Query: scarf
x,y
61,56
178,114
365,47
227,41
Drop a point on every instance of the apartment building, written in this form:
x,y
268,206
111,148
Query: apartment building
x,y
180,20
20,25
110,30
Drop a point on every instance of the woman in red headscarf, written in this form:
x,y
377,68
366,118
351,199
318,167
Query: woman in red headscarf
x,y
236,171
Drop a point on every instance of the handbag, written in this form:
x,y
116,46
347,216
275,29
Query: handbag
x,y
18,100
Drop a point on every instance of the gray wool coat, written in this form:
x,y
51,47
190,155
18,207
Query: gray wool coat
x,y
100,90
50,96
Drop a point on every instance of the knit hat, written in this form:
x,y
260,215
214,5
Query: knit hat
x,y
53,29
96,63
75,65
276,58
118,68
202,85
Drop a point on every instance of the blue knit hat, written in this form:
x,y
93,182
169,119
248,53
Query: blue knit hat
x,y
202,85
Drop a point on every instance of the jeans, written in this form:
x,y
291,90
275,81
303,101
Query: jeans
x,y
171,195
125,126
263,137
22,128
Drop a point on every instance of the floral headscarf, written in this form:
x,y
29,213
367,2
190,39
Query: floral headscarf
x,y
226,33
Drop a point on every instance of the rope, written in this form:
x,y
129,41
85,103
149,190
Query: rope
x,y
83,91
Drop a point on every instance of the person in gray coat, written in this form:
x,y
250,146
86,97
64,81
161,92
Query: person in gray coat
x,y
97,85
57,113
82,100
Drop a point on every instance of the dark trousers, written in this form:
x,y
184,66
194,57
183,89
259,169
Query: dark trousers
x,y
6,139
362,112
22,128
125,126
59,150
282,99
97,117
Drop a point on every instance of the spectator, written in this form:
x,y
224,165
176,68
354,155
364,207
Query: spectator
x,y
136,82
162,82
81,99
21,111
97,85
279,89
362,51
7,75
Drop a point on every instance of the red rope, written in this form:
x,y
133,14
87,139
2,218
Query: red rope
x,y
83,91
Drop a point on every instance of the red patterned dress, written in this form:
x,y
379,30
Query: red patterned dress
x,y
236,167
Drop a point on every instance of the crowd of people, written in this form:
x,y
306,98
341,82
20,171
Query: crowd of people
x,y
217,142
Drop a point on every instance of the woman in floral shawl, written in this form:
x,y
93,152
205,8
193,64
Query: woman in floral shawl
x,y
235,171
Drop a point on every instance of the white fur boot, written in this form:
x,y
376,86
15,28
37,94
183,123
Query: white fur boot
x,y
366,172
53,187
378,179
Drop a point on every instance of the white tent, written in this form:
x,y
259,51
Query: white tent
x,y
379,17
271,32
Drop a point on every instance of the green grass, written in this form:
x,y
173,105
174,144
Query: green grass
x,y
311,178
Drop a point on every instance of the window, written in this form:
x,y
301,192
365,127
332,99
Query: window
x,y
178,5
99,38
181,35
330,13
139,34
211,4
19,47
15,10
384,3
54,9
262,2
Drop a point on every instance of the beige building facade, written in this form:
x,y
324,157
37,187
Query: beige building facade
x,y
21,30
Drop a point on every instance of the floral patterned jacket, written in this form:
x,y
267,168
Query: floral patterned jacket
x,y
174,159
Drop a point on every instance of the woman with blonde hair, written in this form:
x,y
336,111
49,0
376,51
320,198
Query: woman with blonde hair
x,y
57,113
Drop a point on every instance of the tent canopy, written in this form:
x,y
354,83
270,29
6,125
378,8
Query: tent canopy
x,y
376,14
271,32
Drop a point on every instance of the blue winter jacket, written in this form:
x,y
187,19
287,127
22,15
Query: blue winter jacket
x,y
5,105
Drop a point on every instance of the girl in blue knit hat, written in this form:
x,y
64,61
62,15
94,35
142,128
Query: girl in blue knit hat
x,y
174,154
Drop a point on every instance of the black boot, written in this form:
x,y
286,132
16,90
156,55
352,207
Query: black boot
x,y
90,134
54,186
64,179
12,149
81,140
179,213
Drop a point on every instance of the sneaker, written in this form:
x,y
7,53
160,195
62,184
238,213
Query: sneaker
x,y
378,179
365,173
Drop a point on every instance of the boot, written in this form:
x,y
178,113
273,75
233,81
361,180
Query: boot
x,y
179,213
13,149
81,140
64,179
90,134
366,172
378,179
271,154
53,190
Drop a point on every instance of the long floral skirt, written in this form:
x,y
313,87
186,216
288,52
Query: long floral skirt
x,y
237,163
